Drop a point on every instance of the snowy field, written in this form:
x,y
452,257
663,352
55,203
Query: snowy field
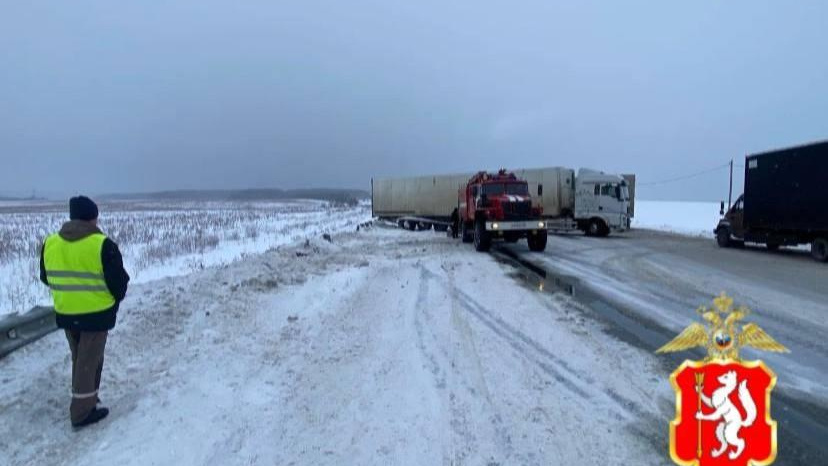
x,y
684,218
162,239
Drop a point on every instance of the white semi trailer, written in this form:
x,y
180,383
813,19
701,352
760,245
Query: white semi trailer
x,y
594,202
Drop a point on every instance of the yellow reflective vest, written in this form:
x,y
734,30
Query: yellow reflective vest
x,y
75,274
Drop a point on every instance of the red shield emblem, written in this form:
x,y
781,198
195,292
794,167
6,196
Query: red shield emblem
x,y
734,426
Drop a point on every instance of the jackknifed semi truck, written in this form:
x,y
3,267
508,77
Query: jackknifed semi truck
x,y
594,202
785,201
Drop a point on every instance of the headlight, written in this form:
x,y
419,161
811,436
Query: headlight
x,y
495,226
541,224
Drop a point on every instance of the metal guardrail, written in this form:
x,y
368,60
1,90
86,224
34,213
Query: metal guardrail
x,y
21,329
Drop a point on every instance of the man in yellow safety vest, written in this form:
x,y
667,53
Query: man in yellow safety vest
x,y
85,273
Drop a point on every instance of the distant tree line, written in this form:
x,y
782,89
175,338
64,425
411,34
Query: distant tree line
x,y
335,195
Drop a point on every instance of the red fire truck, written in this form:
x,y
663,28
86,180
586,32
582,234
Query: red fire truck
x,y
498,207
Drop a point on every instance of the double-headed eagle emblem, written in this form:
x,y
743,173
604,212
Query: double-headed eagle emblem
x,y
709,427
723,336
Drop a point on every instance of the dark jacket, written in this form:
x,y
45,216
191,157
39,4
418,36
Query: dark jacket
x,y
115,276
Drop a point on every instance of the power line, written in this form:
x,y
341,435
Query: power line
x,y
684,177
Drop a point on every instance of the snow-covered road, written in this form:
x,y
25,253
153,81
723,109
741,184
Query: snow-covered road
x,y
385,347
645,286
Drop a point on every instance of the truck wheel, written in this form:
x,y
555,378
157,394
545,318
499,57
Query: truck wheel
x,y
723,237
537,242
819,249
465,234
482,240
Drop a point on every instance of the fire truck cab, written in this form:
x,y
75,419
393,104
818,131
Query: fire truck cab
x,y
498,207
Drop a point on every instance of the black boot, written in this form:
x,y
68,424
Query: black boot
x,y
96,415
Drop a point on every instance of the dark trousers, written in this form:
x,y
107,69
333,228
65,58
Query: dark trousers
x,y
87,363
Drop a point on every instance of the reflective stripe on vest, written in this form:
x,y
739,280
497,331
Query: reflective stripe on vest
x,y
75,274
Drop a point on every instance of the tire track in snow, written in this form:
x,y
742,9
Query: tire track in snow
x,y
433,366
422,308
530,349
588,394
459,422
579,383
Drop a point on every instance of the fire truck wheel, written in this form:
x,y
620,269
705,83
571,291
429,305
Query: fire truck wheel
x,y
465,234
482,240
537,243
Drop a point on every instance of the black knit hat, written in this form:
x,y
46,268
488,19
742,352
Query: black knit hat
x,y
82,208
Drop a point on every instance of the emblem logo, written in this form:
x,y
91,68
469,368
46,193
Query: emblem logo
x,y
723,402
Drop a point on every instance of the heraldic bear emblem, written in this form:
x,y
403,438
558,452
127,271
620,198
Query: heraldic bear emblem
x,y
728,415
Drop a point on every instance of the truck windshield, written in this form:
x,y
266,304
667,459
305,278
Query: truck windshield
x,y
495,189
616,191
625,193
518,189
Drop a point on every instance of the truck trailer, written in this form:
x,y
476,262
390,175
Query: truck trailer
x,y
594,202
420,201
785,201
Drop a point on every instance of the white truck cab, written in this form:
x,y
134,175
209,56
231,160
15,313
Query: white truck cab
x,y
601,202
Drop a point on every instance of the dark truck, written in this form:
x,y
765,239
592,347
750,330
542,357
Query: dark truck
x,y
785,202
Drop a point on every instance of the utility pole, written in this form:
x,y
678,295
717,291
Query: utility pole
x,y
730,192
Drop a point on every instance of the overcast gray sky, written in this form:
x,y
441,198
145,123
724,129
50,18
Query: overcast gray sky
x,y
106,96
